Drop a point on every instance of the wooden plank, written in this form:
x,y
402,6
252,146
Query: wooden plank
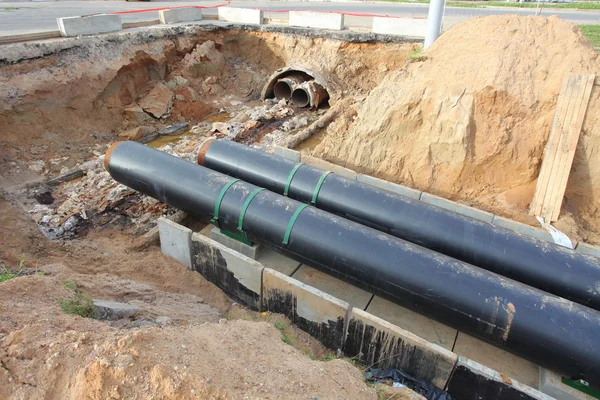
x,y
561,146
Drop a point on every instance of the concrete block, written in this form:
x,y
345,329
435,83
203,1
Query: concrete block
x,y
271,259
241,15
321,315
504,362
240,277
588,249
525,229
384,345
287,153
457,207
424,327
90,25
319,280
319,20
249,251
175,241
175,15
473,381
389,186
327,166
113,310
551,384
400,26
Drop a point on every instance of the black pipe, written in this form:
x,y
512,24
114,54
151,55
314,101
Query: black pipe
x,y
550,331
540,264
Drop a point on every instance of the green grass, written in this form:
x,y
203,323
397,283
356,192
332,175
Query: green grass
x,y
592,32
78,304
416,55
582,5
285,337
5,274
70,284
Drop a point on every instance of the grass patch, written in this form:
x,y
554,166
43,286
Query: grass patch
x,y
592,33
79,304
6,274
286,337
582,5
416,55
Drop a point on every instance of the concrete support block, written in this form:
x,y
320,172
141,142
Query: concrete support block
x,y
175,241
551,384
319,20
377,342
319,280
525,229
90,25
457,207
508,364
287,153
389,186
238,276
321,315
400,26
240,15
175,15
420,325
271,259
327,166
473,381
249,251
588,249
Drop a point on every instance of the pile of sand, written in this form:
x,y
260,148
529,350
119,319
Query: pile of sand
x,y
469,118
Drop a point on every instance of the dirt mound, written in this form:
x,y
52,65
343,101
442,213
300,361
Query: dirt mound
x,y
469,118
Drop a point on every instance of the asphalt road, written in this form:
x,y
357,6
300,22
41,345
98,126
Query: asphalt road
x,y
32,16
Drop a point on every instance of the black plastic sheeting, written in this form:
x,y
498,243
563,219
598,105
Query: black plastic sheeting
x,y
540,264
553,332
420,386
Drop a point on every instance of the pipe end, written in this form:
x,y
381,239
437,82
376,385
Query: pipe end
x,y
204,149
109,152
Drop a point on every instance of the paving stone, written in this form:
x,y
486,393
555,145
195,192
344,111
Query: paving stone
x,y
175,241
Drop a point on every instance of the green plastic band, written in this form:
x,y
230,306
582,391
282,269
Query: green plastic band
x,y
245,207
215,219
318,187
288,231
290,177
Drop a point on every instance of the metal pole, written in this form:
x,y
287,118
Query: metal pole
x,y
434,21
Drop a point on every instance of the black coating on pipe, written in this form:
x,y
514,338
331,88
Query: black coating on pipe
x,y
540,264
553,332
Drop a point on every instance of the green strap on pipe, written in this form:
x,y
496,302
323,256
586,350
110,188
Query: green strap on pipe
x,y
288,231
318,187
215,219
245,207
290,177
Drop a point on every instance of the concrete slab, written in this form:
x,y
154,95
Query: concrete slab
x,y
424,327
237,275
175,241
90,25
249,251
318,20
457,207
389,186
176,15
327,166
506,363
271,259
400,26
240,15
351,294
287,153
382,344
551,384
588,249
321,315
473,381
525,229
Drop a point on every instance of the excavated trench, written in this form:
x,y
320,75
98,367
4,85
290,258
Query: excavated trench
x,y
63,102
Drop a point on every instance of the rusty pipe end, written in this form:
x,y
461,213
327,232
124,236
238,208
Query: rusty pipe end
x,y
109,152
204,149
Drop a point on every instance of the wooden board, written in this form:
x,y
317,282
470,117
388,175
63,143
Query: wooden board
x,y
562,143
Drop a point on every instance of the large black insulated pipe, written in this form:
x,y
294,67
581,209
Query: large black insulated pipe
x,y
540,264
550,331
